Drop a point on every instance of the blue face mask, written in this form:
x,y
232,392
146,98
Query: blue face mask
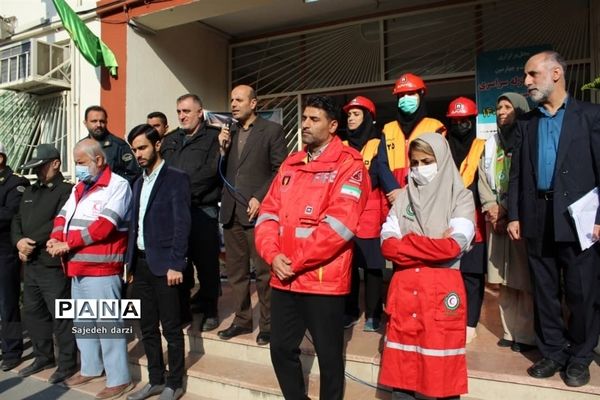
x,y
82,173
408,104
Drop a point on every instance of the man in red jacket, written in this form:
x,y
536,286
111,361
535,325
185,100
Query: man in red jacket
x,y
304,231
90,232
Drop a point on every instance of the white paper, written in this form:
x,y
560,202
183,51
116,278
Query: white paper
x,y
583,212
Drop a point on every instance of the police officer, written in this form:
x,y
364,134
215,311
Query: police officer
x,y
12,187
44,279
118,153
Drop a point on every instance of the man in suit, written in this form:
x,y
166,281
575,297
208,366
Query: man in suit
x,y
557,161
252,152
156,255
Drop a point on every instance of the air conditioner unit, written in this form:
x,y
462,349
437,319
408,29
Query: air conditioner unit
x,y
35,67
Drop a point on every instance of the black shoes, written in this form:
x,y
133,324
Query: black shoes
x,y
209,324
263,338
544,368
36,366
9,364
577,374
147,391
505,343
522,347
233,331
60,375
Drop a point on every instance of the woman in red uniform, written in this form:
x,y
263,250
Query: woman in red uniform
x,y
426,232
365,137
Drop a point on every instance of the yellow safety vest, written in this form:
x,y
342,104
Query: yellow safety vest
x,y
368,151
468,168
397,144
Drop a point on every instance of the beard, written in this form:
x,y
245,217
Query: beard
x,y
97,134
541,93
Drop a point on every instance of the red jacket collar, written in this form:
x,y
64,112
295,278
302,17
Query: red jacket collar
x,y
103,180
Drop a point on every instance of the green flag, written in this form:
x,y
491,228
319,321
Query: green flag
x,y
90,45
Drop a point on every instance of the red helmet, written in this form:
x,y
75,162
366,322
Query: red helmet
x,y
461,107
361,102
409,83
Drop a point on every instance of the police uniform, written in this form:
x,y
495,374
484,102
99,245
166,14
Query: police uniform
x,y
12,187
119,157
44,279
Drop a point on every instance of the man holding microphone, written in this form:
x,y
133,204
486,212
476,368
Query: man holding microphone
x,y
252,149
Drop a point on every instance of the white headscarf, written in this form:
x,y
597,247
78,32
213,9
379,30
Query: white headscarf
x,y
433,208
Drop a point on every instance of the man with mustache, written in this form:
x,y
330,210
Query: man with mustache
x,y
118,153
555,162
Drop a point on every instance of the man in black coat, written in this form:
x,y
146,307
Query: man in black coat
x,y
194,148
156,255
12,187
118,154
252,151
44,278
557,161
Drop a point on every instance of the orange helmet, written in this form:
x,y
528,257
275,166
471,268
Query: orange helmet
x,y
461,107
409,83
361,102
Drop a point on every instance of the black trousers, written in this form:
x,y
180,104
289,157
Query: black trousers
x,y
11,332
239,242
160,303
373,289
203,253
292,314
42,286
557,268
473,265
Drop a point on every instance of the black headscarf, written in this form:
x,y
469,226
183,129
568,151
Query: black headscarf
x,y
366,131
460,140
409,121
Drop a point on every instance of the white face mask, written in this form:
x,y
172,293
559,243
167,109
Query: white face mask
x,y
424,174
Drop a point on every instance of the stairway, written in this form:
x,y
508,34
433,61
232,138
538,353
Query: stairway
x,y
239,369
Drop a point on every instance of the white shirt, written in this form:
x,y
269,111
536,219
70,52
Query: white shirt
x,y
147,185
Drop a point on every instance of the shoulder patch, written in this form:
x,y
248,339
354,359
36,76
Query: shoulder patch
x,y
127,157
351,191
20,188
357,177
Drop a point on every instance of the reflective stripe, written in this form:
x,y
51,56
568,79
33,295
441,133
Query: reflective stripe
x,y
79,223
339,227
58,229
107,212
62,213
426,352
85,236
303,233
266,217
99,258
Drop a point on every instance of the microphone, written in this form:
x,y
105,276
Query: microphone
x,y
227,126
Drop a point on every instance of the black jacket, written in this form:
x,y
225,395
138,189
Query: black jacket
x,y
11,189
39,205
120,158
577,169
167,222
199,157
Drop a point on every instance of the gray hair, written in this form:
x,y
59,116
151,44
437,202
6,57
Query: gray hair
x,y
91,148
551,56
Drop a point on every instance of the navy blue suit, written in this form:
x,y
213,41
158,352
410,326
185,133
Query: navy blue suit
x,y
167,224
554,253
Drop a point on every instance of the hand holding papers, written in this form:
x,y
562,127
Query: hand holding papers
x,y
583,212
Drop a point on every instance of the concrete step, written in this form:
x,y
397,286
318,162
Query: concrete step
x,y
222,377
96,385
